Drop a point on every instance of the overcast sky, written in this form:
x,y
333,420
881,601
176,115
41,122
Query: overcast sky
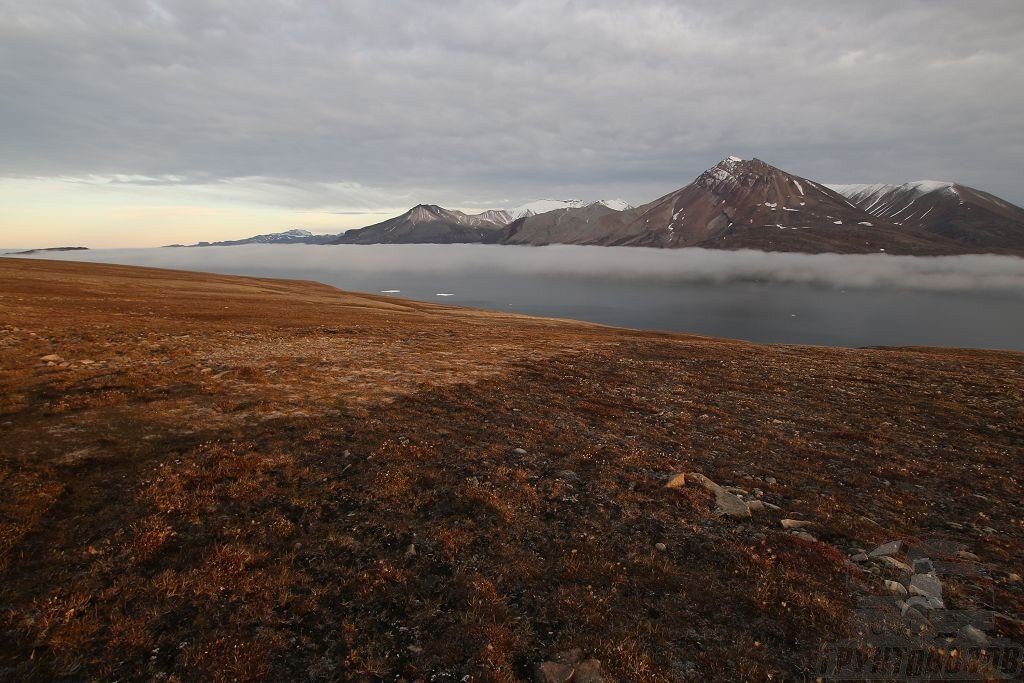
x,y
138,123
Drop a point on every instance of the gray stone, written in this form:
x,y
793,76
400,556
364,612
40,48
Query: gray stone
x,y
890,548
972,635
728,504
731,505
925,604
895,564
923,566
927,585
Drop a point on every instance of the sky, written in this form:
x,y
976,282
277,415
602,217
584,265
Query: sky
x,y
141,123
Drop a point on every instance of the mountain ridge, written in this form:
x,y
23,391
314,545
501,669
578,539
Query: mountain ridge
x,y
735,204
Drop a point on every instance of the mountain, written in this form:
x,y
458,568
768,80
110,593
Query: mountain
x,y
949,210
547,205
427,223
751,204
594,223
737,196
287,237
43,250
735,204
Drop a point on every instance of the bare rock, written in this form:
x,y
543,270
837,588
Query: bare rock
x,y
890,548
731,505
757,507
926,585
895,564
972,635
796,524
728,504
924,604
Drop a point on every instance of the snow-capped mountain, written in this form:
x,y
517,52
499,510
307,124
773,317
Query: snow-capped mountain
x,y
540,206
295,236
970,217
740,203
735,204
427,223
739,196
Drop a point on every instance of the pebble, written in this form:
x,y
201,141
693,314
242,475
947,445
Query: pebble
x,y
661,547
519,451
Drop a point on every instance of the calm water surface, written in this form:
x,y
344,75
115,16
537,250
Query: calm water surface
x,y
768,298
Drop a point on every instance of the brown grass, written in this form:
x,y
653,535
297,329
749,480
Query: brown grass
x,y
270,480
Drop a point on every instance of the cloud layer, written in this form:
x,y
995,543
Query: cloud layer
x,y
334,105
972,272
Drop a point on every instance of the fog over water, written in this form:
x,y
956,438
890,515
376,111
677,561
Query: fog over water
x,y
848,300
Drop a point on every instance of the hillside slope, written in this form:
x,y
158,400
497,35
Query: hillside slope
x,y
222,478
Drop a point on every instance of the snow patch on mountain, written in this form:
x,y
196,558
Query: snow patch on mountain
x,y
859,192
545,205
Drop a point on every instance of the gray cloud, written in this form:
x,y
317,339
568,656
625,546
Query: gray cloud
x,y
340,104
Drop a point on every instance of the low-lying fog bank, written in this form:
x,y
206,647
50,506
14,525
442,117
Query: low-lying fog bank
x,y
942,273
